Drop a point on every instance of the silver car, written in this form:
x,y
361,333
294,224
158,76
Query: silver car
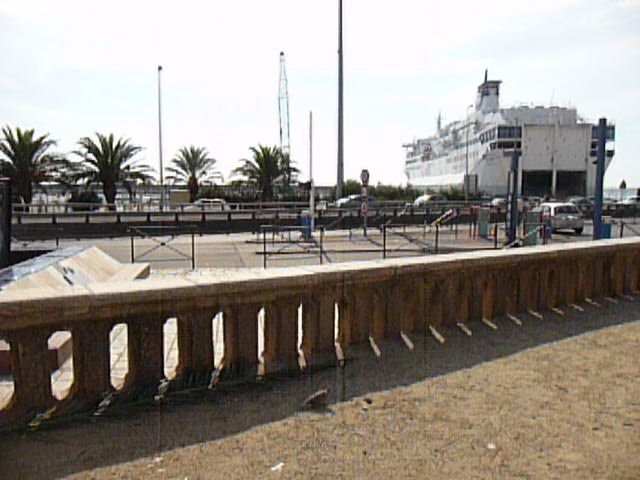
x,y
564,216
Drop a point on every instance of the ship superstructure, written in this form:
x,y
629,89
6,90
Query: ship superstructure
x,y
558,149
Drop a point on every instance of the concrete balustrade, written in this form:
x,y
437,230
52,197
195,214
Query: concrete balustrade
x,y
376,301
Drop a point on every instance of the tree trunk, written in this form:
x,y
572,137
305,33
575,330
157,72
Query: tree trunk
x,y
110,191
193,189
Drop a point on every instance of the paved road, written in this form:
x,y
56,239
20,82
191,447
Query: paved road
x,y
245,250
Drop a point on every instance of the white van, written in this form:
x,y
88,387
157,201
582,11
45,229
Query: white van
x,y
564,216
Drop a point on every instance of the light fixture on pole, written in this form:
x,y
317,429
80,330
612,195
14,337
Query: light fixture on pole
x,y
160,141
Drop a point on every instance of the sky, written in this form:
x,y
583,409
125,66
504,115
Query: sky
x,y
71,68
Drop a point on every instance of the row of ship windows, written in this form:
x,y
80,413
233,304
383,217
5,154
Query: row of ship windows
x,y
461,158
501,132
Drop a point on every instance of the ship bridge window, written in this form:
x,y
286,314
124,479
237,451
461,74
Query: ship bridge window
x,y
610,132
509,145
509,132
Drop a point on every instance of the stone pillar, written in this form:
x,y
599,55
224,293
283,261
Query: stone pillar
x,y
632,270
195,347
464,298
344,322
91,362
360,299
449,300
281,336
483,296
618,273
597,284
585,279
434,300
568,282
506,292
355,309
548,287
528,289
412,309
241,341
384,323
318,330
31,371
146,362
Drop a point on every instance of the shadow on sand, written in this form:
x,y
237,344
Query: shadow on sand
x,y
122,436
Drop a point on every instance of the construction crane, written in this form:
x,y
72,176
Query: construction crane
x,y
283,108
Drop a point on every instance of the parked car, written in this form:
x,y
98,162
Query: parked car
x,y
606,201
423,200
352,201
633,200
580,202
498,202
208,205
564,216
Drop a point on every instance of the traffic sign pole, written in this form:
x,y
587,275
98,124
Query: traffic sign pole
x,y
364,199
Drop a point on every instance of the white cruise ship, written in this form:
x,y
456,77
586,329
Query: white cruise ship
x,y
558,149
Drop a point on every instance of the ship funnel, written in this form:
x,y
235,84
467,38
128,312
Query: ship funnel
x,y
488,98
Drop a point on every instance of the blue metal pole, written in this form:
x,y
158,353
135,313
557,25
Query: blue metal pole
x,y
513,198
597,208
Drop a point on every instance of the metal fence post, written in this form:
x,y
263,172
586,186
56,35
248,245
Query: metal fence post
x,y
193,250
133,256
264,248
621,229
437,235
495,236
321,243
384,240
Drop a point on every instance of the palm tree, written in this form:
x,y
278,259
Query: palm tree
x,y
26,160
191,166
110,163
263,170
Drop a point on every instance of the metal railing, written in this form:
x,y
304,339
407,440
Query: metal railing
x,y
161,238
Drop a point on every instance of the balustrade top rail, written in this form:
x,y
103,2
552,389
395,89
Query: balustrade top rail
x,y
171,296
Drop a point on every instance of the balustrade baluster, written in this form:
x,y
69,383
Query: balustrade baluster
x,y
241,341
281,336
318,330
195,347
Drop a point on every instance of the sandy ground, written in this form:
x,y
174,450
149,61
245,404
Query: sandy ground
x,y
557,398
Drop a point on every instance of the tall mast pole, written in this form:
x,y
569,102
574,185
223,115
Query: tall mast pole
x,y
340,109
283,107
160,141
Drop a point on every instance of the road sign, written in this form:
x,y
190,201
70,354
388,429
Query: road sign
x,y
364,176
364,208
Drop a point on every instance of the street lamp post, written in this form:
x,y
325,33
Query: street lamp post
x,y
340,108
466,167
312,190
160,141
